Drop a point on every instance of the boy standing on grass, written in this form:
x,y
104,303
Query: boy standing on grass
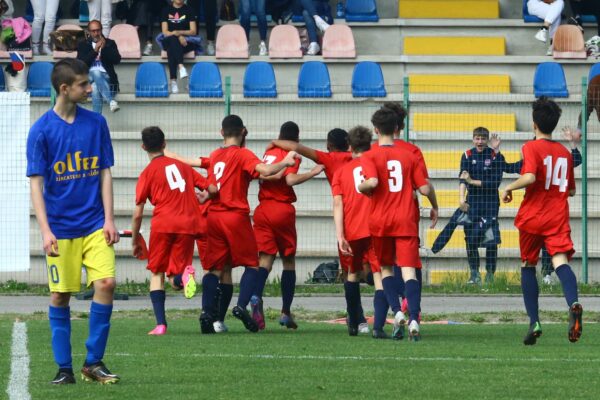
x,y
543,218
169,185
69,155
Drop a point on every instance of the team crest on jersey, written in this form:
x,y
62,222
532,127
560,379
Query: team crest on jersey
x,y
487,162
474,162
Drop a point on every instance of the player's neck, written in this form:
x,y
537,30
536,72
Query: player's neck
x,y
540,135
356,155
65,109
152,156
385,140
231,141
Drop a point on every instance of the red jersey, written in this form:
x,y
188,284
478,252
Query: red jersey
x,y
357,206
545,208
333,161
415,150
278,190
204,164
393,207
231,170
169,185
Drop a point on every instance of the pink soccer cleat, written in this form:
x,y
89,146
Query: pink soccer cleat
x,y
159,330
189,282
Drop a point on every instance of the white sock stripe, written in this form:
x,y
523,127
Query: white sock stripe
x,y
18,383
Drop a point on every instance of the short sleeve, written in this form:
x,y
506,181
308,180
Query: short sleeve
x,y
421,162
107,155
323,158
368,166
419,178
249,162
571,177
204,163
529,165
192,15
37,155
336,184
142,189
464,163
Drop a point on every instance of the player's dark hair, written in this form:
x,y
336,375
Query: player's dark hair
x,y
399,110
232,126
153,138
337,138
481,131
65,71
289,131
360,138
385,120
546,114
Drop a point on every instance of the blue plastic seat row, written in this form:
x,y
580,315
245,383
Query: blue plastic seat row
x,y
549,79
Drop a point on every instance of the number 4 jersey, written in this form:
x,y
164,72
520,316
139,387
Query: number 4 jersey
x,y
545,209
169,185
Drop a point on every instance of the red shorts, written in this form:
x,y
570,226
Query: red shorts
x,y
400,250
275,228
201,243
531,244
363,253
170,252
230,241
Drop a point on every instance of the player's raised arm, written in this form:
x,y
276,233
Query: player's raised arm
x,y
290,145
192,162
110,231
37,198
271,169
297,179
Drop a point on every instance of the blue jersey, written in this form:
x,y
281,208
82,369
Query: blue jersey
x,y
70,157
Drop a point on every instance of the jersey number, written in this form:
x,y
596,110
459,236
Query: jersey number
x,y
174,178
395,173
556,174
218,170
358,177
269,159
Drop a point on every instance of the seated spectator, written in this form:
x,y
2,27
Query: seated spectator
x,y
584,7
307,9
101,55
549,11
210,19
44,15
178,22
143,13
247,7
101,10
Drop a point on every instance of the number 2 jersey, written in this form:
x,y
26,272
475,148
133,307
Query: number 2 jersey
x,y
545,208
169,185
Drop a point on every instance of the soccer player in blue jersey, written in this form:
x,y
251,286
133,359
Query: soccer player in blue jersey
x,y
69,155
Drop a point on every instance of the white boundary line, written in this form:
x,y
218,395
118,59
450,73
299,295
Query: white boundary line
x,y
18,383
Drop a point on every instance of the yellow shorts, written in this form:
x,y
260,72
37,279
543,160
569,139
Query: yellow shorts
x,y
90,252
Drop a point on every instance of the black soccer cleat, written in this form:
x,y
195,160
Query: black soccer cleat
x,y
206,323
99,373
380,334
575,322
244,316
535,331
63,378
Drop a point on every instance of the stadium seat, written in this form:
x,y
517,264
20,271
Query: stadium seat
x,y
127,40
338,42
528,17
568,43
591,19
38,79
367,80
284,42
232,42
361,11
205,80
56,54
151,80
549,80
2,85
259,80
595,70
313,80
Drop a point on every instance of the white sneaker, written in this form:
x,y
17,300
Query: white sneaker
x,y
413,330
46,49
210,48
114,106
220,327
148,49
542,35
548,280
550,51
174,88
363,328
399,319
262,49
321,24
313,49
182,72
399,323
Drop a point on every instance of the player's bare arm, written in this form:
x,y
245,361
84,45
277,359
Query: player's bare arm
x,y
297,179
271,169
524,181
37,198
192,162
367,186
136,224
290,145
275,177
338,218
429,191
110,231
203,196
462,197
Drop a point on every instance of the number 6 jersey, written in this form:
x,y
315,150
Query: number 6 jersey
x,y
545,208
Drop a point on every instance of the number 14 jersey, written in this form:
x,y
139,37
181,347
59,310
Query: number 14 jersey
x,y
545,208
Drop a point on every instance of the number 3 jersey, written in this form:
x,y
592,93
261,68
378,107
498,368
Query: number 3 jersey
x,y
169,185
393,207
545,208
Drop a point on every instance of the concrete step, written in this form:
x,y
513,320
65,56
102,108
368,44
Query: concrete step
x,y
454,45
456,83
445,9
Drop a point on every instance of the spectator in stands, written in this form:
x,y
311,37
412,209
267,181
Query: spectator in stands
x,y
307,9
549,11
247,7
44,15
101,55
143,13
9,11
178,22
210,20
101,10
584,7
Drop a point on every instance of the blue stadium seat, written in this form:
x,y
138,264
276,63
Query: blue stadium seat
x,y
549,80
367,80
205,80
2,85
591,19
361,11
151,80
38,79
595,70
313,80
528,17
259,80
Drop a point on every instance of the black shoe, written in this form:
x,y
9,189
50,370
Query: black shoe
x,y
244,316
99,373
380,334
206,323
535,331
575,322
63,378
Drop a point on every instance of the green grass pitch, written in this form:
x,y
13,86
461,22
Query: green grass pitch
x,y
321,361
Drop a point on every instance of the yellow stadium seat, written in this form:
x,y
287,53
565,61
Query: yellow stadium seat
x,y
454,46
443,122
450,160
510,239
449,9
442,83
